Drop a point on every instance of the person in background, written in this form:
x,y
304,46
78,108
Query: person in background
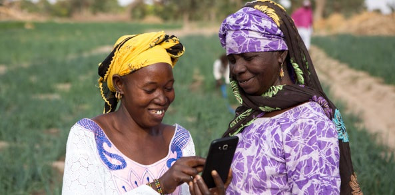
x,y
292,139
303,18
221,74
221,71
129,150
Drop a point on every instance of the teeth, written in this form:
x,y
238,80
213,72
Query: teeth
x,y
159,112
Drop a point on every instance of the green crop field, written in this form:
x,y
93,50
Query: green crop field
x,y
372,54
48,81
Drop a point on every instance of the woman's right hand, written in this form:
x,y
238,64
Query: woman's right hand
x,y
198,187
183,170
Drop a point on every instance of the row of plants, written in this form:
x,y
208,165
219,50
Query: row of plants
x,y
372,54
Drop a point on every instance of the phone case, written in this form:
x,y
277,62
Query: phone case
x,y
219,158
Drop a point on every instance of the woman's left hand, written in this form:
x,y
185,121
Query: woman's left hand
x,y
198,187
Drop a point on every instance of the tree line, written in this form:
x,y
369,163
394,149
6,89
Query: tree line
x,y
172,10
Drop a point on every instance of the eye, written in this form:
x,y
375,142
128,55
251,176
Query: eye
x,y
231,59
249,57
169,89
149,91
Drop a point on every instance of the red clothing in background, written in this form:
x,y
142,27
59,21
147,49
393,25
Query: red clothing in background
x,y
303,17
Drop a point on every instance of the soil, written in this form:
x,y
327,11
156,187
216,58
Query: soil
x,y
365,96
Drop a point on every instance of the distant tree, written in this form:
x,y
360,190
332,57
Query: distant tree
x,y
137,9
319,9
104,6
347,8
62,8
79,6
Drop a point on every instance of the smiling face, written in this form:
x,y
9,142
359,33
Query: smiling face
x,y
255,72
148,93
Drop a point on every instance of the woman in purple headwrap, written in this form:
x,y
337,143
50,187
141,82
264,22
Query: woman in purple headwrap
x,y
292,139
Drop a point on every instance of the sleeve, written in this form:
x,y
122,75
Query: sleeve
x,y
217,69
83,173
312,157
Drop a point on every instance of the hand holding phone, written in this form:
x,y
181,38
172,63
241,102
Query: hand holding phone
x,y
219,158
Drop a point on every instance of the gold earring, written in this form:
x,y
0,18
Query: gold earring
x,y
282,70
118,95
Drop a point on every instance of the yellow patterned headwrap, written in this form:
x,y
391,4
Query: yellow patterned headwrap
x,y
132,52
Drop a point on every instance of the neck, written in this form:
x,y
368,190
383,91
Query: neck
x,y
126,124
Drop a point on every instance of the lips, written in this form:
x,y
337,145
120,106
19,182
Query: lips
x,y
244,82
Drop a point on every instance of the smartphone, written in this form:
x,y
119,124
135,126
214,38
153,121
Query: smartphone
x,y
219,158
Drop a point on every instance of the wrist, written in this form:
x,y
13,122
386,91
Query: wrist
x,y
156,185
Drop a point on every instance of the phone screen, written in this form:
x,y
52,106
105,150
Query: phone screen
x,y
219,158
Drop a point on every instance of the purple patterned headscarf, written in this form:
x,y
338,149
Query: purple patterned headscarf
x,y
250,30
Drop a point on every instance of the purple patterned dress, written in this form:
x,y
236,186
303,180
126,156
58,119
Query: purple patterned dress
x,y
296,152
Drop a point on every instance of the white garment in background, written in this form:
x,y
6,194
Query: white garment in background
x,y
219,71
305,33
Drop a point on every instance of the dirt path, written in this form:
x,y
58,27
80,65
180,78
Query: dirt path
x,y
364,95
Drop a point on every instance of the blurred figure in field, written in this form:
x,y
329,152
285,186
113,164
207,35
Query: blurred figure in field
x,y
221,71
221,75
303,18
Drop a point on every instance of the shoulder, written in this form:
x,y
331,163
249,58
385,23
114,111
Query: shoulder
x,y
308,110
84,124
182,140
310,117
83,132
181,136
180,131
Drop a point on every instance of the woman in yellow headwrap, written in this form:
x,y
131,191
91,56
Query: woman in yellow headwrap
x,y
129,149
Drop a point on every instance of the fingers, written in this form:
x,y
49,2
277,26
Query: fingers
x,y
191,165
194,161
218,182
199,186
191,188
230,176
186,167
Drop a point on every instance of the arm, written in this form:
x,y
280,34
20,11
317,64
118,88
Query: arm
x,y
312,157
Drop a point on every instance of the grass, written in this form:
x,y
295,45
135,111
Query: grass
x,y
372,54
36,114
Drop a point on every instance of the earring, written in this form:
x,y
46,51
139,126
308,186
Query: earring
x,y
118,95
282,70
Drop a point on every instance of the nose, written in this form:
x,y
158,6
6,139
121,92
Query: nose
x,y
238,67
161,98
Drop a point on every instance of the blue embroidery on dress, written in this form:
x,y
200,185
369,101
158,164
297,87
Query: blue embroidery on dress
x,y
340,127
100,139
181,138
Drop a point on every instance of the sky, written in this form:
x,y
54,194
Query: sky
x,y
371,4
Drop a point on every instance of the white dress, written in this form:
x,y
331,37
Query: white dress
x,y
95,166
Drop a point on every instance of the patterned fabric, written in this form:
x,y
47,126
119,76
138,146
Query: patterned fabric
x,y
250,30
95,166
296,151
306,86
